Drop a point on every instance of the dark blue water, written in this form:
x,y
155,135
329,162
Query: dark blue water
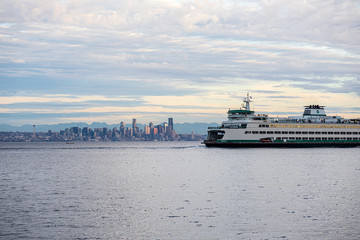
x,y
177,190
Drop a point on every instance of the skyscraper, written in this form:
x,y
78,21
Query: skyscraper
x,y
134,125
151,125
166,128
34,133
122,129
170,123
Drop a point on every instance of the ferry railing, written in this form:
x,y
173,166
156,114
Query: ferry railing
x,y
313,121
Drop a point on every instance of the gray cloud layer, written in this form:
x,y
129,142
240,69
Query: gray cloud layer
x,y
163,47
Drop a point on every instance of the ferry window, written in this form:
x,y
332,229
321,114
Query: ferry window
x,y
292,138
349,133
298,132
260,125
243,125
349,138
337,138
311,138
278,138
305,138
247,132
298,138
356,138
330,138
324,138
266,125
270,132
330,133
284,138
262,132
284,132
304,132
355,133
317,132
336,133
255,132
277,132
291,132
311,132
324,132
343,133
318,138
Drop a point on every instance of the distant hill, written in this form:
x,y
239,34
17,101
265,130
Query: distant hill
x,y
183,128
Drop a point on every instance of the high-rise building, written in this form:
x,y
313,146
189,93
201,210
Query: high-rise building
x,y
104,132
85,131
134,125
165,125
160,128
129,132
151,125
171,124
34,133
122,129
147,130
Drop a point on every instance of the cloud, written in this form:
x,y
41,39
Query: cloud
x,y
162,48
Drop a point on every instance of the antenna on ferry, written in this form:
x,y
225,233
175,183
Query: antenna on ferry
x,y
247,100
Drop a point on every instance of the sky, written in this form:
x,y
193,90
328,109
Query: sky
x,y
110,61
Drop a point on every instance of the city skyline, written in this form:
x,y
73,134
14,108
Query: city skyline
x,y
124,132
67,61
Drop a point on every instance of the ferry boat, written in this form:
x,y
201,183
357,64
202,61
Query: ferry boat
x,y
314,128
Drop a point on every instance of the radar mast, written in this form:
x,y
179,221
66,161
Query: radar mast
x,y
247,101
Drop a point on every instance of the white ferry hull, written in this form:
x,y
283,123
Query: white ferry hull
x,y
243,144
